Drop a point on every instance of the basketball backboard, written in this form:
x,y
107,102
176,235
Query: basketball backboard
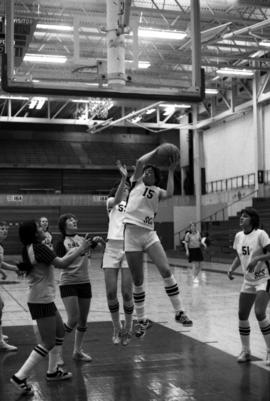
x,y
110,49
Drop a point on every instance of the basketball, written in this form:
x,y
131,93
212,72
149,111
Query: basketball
x,y
164,152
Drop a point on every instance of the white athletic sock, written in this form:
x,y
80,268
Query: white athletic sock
x,y
38,353
139,301
244,330
1,332
265,329
172,290
115,315
128,309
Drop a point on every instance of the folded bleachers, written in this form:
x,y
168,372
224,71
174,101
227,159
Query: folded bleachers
x,y
106,153
34,152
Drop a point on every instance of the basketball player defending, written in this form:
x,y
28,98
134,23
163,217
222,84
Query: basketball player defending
x,y
114,260
140,236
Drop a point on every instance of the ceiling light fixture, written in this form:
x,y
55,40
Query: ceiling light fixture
x,y
161,34
265,43
44,58
177,106
55,27
211,91
234,72
13,97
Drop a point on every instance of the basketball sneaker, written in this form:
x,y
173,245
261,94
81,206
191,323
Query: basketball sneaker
x,y
81,356
182,318
142,326
22,385
5,347
116,338
244,357
126,337
268,358
58,375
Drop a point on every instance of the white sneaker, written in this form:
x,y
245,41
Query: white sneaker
x,y
116,338
126,337
244,357
5,347
268,358
81,356
5,337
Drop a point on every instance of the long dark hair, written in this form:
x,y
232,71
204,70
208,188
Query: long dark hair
x,y
28,235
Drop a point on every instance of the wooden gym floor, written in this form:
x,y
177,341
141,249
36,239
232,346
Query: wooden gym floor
x,y
171,363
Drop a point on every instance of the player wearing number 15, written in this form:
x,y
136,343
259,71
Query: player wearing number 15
x,y
140,235
253,252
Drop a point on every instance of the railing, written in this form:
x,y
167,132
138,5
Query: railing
x,y
212,217
240,181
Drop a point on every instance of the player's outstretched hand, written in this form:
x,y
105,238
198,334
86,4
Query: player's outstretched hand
x,y
230,275
122,168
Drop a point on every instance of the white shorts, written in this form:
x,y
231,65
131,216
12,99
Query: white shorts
x,y
254,288
138,239
114,256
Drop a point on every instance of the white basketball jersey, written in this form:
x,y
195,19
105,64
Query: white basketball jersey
x,y
248,246
142,205
116,217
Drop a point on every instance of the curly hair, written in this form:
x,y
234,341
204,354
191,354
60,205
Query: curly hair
x,y
62,222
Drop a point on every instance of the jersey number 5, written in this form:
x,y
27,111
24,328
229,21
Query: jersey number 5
x,y
148,193
245,250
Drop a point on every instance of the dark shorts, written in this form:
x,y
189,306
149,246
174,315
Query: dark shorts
x,y
195,255
38,311
76,290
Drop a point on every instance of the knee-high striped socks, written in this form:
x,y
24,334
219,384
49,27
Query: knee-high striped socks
x,y
244,330
265,329
38,353
139,301
128,309
172,290
113,305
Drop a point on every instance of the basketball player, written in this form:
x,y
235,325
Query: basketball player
x,y
38,263
4,346
140,236
43,221
114,260
193,251
253,250
75,286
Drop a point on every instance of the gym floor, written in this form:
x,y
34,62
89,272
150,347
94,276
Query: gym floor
x,y
171,363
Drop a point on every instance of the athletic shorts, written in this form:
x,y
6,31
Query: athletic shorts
x,y
195,255
114,256
254,288
138,239
39,311
83,290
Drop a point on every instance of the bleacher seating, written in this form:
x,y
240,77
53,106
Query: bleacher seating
x,y
106,153
34,152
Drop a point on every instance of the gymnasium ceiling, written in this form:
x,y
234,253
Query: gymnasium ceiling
x,y
235,34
